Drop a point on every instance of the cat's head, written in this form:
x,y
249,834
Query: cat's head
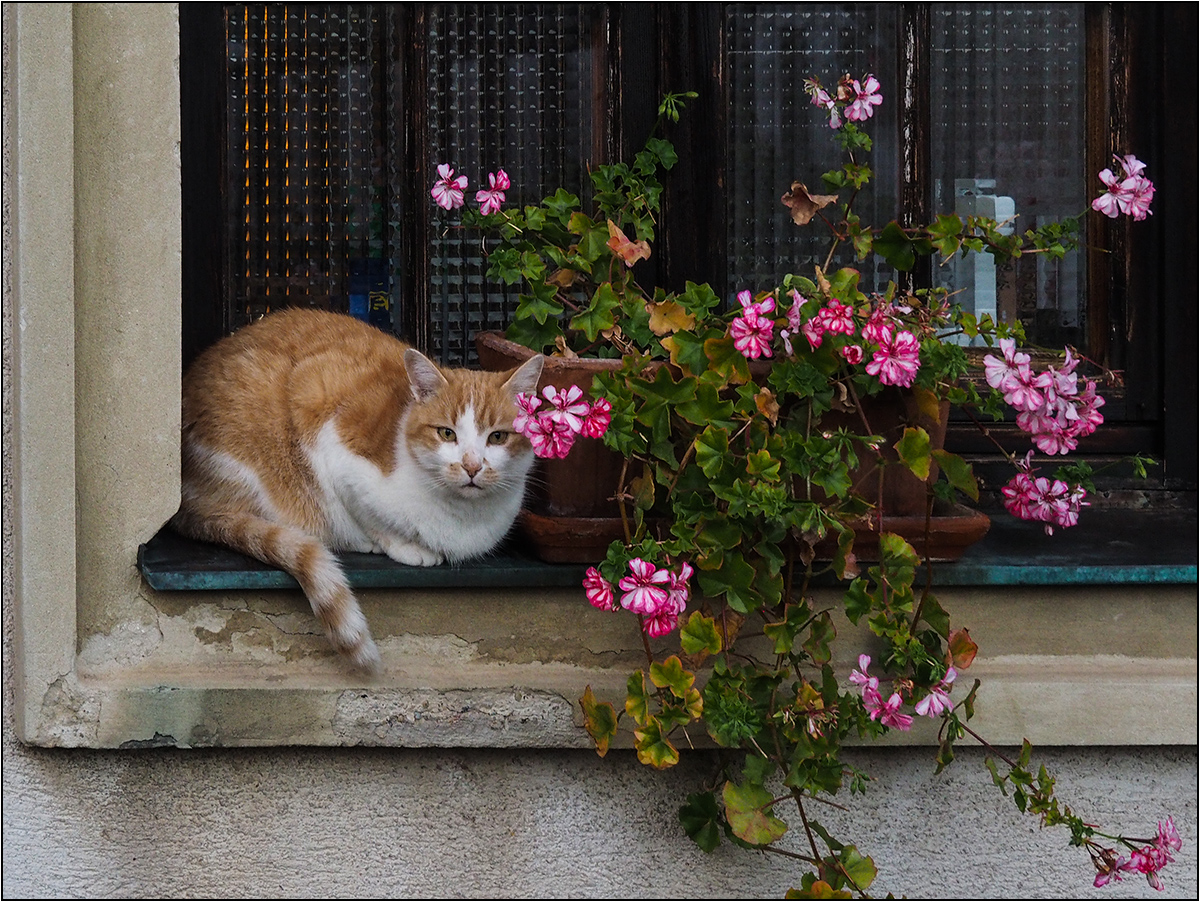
x,y
459,426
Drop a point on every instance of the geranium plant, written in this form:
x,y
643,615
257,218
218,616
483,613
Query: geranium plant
x,y
757,469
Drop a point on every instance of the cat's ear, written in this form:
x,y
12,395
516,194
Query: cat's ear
x,y
424,378
525,377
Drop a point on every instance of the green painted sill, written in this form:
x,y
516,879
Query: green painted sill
x,y
1109,547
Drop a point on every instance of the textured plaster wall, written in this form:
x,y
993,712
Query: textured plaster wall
x,y
298,822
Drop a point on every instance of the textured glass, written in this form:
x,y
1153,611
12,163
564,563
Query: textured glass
x,y
512,88
776,136
304,156
1008,132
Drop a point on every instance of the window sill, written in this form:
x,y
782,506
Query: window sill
x,y
1108,547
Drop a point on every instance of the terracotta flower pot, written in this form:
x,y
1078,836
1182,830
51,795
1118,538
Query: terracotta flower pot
x,y
570,515
951,528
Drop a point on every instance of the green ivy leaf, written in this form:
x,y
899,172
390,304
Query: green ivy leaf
x,y
747,808
600,313
670,674
699,634
687,351
958,473
561,204
860,869
712,448
844,284
653,748
701,820
637,699
707,407
857,600
820,635
935,615
783,633
734,579
896,247
532,334
915,451
727,361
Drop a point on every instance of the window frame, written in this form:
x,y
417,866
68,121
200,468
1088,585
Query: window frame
x,y
95,277
659,46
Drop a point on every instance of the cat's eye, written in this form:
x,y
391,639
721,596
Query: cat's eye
x,y
446,434
499,437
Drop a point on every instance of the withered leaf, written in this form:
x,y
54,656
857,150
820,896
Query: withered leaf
x,y
804,206
668,317
629,251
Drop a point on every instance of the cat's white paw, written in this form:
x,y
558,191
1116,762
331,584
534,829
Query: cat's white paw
x,y
405,552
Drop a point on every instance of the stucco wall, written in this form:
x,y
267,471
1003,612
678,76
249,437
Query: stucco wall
x,y
354,821
297,823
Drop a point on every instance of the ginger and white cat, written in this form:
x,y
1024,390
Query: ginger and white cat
x,y
310,433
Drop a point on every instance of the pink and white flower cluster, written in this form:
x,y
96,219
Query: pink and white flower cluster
x,y
895,352
855,100
935,704
449,190
1050,406
1041,500
1056,412
751,330
1148,860
1129,193
552,431
659,595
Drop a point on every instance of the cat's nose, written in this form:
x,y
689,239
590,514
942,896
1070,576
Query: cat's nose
x,y
472,465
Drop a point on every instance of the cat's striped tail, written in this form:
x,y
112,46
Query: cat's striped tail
x,y
306,559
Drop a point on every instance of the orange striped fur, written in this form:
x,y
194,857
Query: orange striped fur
x,y
311,433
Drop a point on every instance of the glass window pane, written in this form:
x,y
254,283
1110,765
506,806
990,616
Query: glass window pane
x,y
776,136
1008,136
517,88
304,157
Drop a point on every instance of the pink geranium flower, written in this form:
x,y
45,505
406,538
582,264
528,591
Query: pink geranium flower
x,y
660,623
752,331
1130,193
879,327
888,713
837,318
1148,860
595,424
550,439
1041,500
598,590
643,591
866,98
860,678
491,198
897,360
1168,836
852,354
567,406
448,189
680,589
937,702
